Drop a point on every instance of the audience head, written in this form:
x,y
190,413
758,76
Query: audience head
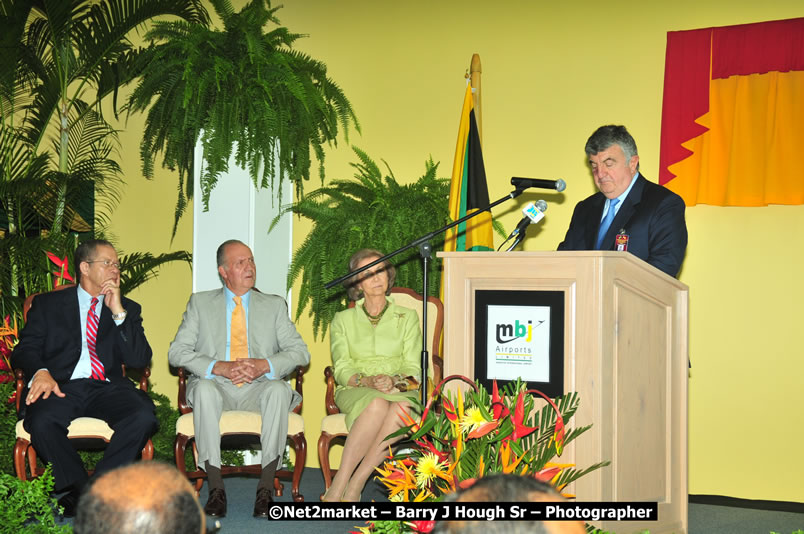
x,y
509,489
236,266
145,497
354,285
613,157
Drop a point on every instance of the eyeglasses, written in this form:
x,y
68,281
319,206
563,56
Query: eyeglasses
x,y
108,263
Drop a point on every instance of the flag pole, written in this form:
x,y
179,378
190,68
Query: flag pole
x,y
475,71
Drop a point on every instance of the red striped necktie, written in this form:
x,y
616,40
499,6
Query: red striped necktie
x,y
92,337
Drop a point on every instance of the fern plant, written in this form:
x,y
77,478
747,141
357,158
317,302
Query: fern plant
x,y
239,87
371,211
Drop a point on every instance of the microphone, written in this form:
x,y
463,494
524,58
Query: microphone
x,y
534,212
525,183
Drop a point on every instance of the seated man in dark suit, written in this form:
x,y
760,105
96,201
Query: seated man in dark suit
x,y
629,213
72,350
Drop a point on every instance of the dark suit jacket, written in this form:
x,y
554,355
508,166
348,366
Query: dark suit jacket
x,y
52,335
651,215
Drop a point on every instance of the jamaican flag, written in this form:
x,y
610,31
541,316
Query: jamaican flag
x,y
468,190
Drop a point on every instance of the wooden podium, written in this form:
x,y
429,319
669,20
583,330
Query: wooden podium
x,y
625,353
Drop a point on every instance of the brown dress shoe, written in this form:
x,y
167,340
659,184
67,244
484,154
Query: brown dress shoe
x,y
263,502
216,504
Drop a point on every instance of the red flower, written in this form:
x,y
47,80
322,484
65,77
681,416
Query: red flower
x,y
498,407
64,268
449,409
423,526
558,435
426,445
467,483
520,430
547,474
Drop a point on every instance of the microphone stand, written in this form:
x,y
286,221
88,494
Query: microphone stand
x,y
425,250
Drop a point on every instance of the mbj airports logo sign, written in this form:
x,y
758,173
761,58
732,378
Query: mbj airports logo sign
x,y
519,343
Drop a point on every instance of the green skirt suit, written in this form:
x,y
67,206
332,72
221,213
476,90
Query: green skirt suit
x,y
392,347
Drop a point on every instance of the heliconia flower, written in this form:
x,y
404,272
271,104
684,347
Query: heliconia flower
x,y
422,526
520,430
449,409
498,407
64,268
424,444
468,483
558,434
547,474
483,429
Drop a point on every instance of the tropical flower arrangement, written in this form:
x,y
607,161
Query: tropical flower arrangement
x,y
475,434
8,339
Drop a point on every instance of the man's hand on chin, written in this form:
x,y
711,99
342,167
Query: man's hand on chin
x,y
111,288
42,385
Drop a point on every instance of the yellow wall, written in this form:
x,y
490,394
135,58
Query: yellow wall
x,y
551,75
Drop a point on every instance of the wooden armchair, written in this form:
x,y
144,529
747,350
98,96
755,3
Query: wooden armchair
x,y
333,426
240,429
84,432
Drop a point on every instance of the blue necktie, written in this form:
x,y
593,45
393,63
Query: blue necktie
x,y
606,222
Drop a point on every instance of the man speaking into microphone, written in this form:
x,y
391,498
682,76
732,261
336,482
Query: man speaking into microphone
x,y
629,213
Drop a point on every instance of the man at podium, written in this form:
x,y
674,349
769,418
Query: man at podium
x,y
629,213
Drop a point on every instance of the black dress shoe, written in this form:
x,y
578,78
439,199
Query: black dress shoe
x,y
216,504
263,503
69,502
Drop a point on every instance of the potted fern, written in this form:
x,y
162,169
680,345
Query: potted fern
x,y
244,87
373,210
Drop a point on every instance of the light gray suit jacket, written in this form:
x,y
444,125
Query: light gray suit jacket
x,y
201,338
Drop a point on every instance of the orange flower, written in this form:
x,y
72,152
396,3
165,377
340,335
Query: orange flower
x,y
508,465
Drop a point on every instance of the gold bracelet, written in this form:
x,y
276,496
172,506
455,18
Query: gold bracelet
x,y
358,380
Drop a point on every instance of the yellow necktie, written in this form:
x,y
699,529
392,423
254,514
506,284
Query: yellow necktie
x,y
238,346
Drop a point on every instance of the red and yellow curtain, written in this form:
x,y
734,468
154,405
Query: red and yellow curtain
x,y
733,114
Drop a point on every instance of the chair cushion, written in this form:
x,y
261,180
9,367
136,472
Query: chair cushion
x,y
239,422
79,427
334,424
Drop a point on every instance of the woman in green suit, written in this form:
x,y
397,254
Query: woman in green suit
x,y
376,347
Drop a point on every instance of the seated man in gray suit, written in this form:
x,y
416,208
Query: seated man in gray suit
x,y
239,345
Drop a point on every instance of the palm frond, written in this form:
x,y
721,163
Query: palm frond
x,y
139,267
